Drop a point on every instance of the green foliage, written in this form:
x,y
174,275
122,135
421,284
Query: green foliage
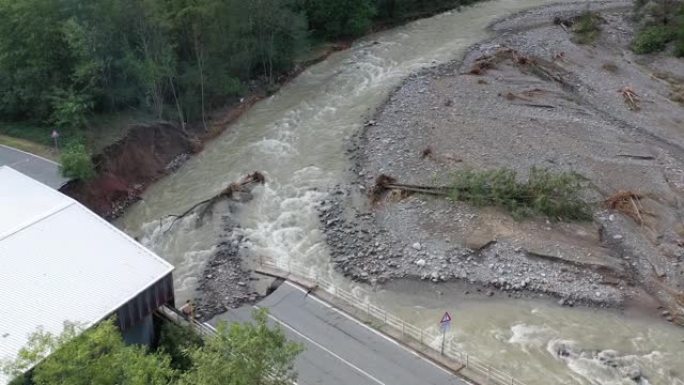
x,y
75,162
244,354
176,341
239,354
108,55
61,61
97,356
544,193
660,22
652,39
339,18
587,28
69,110
678,27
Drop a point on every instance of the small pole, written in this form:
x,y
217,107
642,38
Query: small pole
x,y
55,137
403,326
421,336
385,318
466,360
443,339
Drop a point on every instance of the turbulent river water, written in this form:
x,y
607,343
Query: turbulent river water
x,y
298,138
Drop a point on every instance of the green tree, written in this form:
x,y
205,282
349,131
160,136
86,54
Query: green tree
x,y
177,341
239,354
75,162
244,354
97,356
339,18
278,34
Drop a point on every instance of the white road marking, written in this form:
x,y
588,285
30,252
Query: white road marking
x,y
320,301
325,349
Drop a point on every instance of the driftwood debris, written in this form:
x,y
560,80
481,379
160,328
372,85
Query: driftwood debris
x,y
385,183
628,203
631,98
541,68
243,186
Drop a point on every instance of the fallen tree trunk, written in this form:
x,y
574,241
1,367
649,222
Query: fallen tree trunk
x,y
245,185
384,183
556,196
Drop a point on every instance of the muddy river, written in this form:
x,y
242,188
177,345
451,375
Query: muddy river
x,y
299,138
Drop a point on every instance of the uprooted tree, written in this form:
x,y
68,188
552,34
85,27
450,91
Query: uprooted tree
x,y
556,195
234,191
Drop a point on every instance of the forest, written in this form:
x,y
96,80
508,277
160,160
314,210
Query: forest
x,y
64,61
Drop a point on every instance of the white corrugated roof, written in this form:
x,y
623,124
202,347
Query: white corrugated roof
x,y
61,262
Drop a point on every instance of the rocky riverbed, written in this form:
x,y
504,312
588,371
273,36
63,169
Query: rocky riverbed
x,y
225,284
570,116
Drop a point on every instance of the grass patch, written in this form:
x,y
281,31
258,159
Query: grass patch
x,y
28,146
101,131
661,23
27,131
556,195
652,39
586,28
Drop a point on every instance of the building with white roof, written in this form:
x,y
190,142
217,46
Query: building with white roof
x,y
59,262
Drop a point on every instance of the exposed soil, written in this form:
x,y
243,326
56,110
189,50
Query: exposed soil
x,y
528,97
127,166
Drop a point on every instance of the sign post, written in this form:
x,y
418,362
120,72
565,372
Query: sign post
x,y
55,136
444,324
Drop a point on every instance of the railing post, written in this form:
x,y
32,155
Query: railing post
x,y
403,326
385,317
466,360
512,380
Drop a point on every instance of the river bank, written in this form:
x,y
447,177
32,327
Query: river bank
x,y
509,115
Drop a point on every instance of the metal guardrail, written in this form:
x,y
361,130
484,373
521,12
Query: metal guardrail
x,y
488,374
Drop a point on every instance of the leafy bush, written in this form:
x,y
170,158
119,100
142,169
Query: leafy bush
x,y
652,39
76,162
69,110
176,340
544,193
339,18
587,28
679,33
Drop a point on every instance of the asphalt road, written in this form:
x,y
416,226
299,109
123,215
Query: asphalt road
x,y
38,168
340,350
